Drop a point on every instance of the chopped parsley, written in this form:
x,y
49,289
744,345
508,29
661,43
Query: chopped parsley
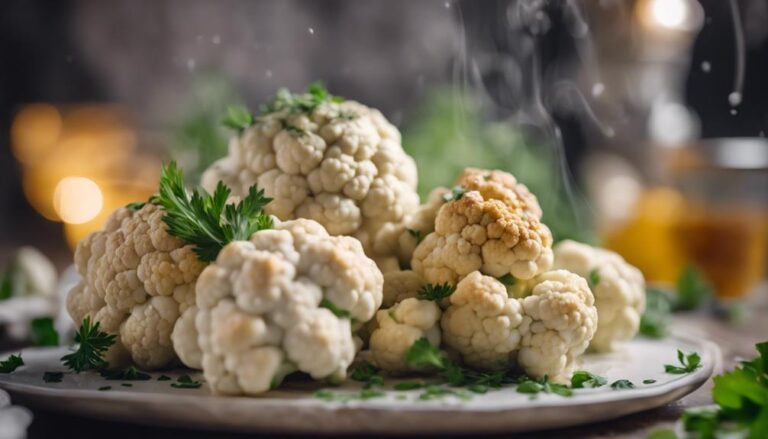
x,y
507,279
136,205
456,194
101,389
435,292
53,377
368,374
416,234
127,374
92,345
186,382
649,381
163,378
238,118
362,395
594,277
622,384
315,95
582,379
409,385
688,363
338,312
11,363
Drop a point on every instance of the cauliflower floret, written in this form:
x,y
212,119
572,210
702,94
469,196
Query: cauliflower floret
x,y
401,239
482,323
560,320
503,186
136,280
619,290
340,164
399,327
474,233
261,308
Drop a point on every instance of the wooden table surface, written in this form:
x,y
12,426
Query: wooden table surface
x,y
736,343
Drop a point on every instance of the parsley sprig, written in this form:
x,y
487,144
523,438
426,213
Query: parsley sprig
x,y
688,363
206,220
582,379
435,292
238,118
367,374
315,95
742,399
11,363
92,345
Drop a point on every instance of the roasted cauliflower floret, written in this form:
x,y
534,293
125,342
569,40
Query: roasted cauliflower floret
x,y
476,233
503,186
398,328
136,280
338,163
560,320
278,303
482,323
618,287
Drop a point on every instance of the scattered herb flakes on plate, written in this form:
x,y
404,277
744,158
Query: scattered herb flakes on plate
x,y
11,363
582,379
53,377
688,363
622,385
127,374
186,382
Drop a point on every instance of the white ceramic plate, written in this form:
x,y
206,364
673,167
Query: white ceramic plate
x,y
295,409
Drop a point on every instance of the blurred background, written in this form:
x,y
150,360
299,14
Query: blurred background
x,y
640,125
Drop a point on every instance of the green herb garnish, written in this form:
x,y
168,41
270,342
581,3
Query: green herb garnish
x,y
136,205
315,95
416,234
163,378
127,374
101,389
533,387
363,395
186,382
649,381
368,374
409,385
594,278
508,279
622,384
688,363
205,220
6,283
53,377
126,384
582,379
436,292
456,194
92,345
423,354
43,333
238,118
11,363
338,312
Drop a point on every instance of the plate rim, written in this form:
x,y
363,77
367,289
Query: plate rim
x,y
637,400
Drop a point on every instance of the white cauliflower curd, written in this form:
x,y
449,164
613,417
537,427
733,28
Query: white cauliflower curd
x,y
338,163
560,320
283,301
136,281
399,327
482,323
618,287
475,232
544,334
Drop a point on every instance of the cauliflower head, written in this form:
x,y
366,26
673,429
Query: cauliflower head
x,y
618,287
281,302
476,233
560,320
136,281
482,323
399,327
338,163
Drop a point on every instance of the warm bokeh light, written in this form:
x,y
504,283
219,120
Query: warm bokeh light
x,y
669,13
77,200
34,132
80,163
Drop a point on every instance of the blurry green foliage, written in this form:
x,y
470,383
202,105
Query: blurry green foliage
x,y
449,133
198,137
